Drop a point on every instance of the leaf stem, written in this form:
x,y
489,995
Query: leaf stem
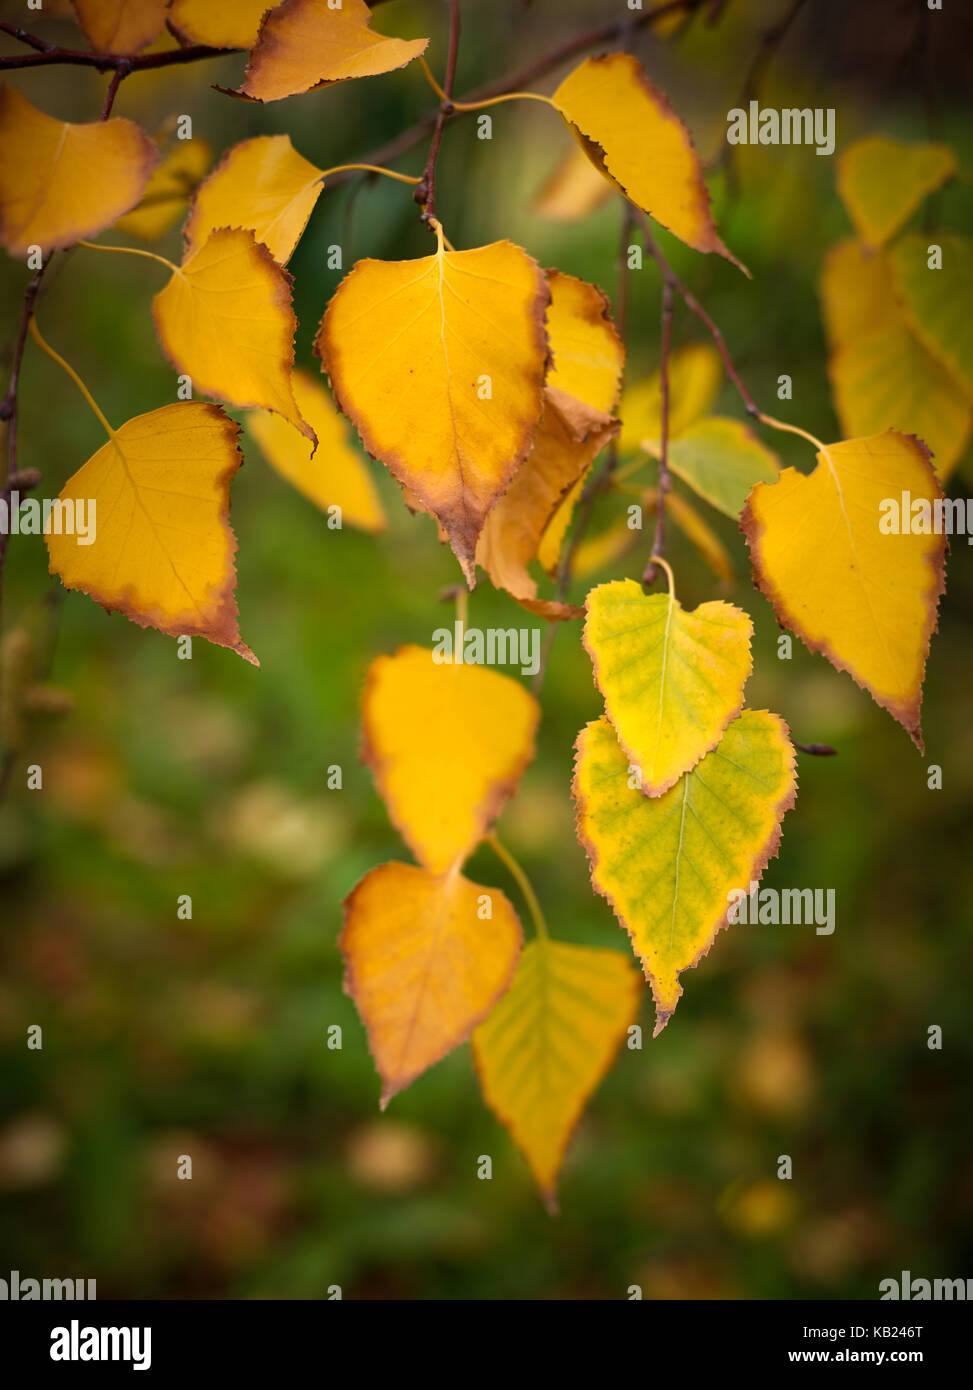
x,y
658,560
665,481
55,357
792,429
523,883
130,251
496,101
369,169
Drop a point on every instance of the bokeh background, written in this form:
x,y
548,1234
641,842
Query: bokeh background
x,y
208,777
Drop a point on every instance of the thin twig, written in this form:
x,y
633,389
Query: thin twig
x,y
665,481
425,194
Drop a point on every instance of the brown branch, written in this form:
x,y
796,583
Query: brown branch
x,y
425,191
665,481
48,55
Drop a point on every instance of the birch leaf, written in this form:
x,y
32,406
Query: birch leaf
x,y
60,182
882,181
168,190
262,185
307,43
225,320
549,1042
120,26
667,865
937,301
440,364
333,475
836,576
163,550
219,23
629,131
426,958
447,744
672,680
721,459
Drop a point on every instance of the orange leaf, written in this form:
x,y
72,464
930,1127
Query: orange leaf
x,y
120,26
306,43
219,23
426,958
61,182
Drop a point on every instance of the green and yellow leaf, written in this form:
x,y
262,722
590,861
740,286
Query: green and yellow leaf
x,y
721,459
937,302
882,181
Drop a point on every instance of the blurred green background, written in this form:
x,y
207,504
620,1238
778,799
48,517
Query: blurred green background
x,y
208,777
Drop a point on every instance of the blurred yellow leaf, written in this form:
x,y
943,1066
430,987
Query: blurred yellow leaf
x,y
426,958
671,680
695,373
447,744
307,43
219,23
158,502
262,185
700,535
574,189
880,372
168,190
120,26
333,475
838,577
225,320
549,1042
629,131
882,181
667,865
937,301
60,182
440,364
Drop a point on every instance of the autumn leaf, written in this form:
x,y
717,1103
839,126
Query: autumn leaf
x,y
721,459
225,320
120,26
447,744
60,182
671,680
695,374
937,301
168,190
569,436
307,43
574,189
700,535
864,598
667,865
882,181
629,131
440,364
219,23
548,1043
426,958
333,475
158,501
881,374
262,185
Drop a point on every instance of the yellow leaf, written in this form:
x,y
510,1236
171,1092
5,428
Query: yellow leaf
x,y
881,374
570,435
599,552
822,555
423,964
695,373
721,459
440,364
700,535
262,185
668,866
937,302
61,182
629,131
335,475
587,353
447,744
574,189
882,181
225,320
120,26
549,1042
306,43
672,680
158,501
168,190
219,23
